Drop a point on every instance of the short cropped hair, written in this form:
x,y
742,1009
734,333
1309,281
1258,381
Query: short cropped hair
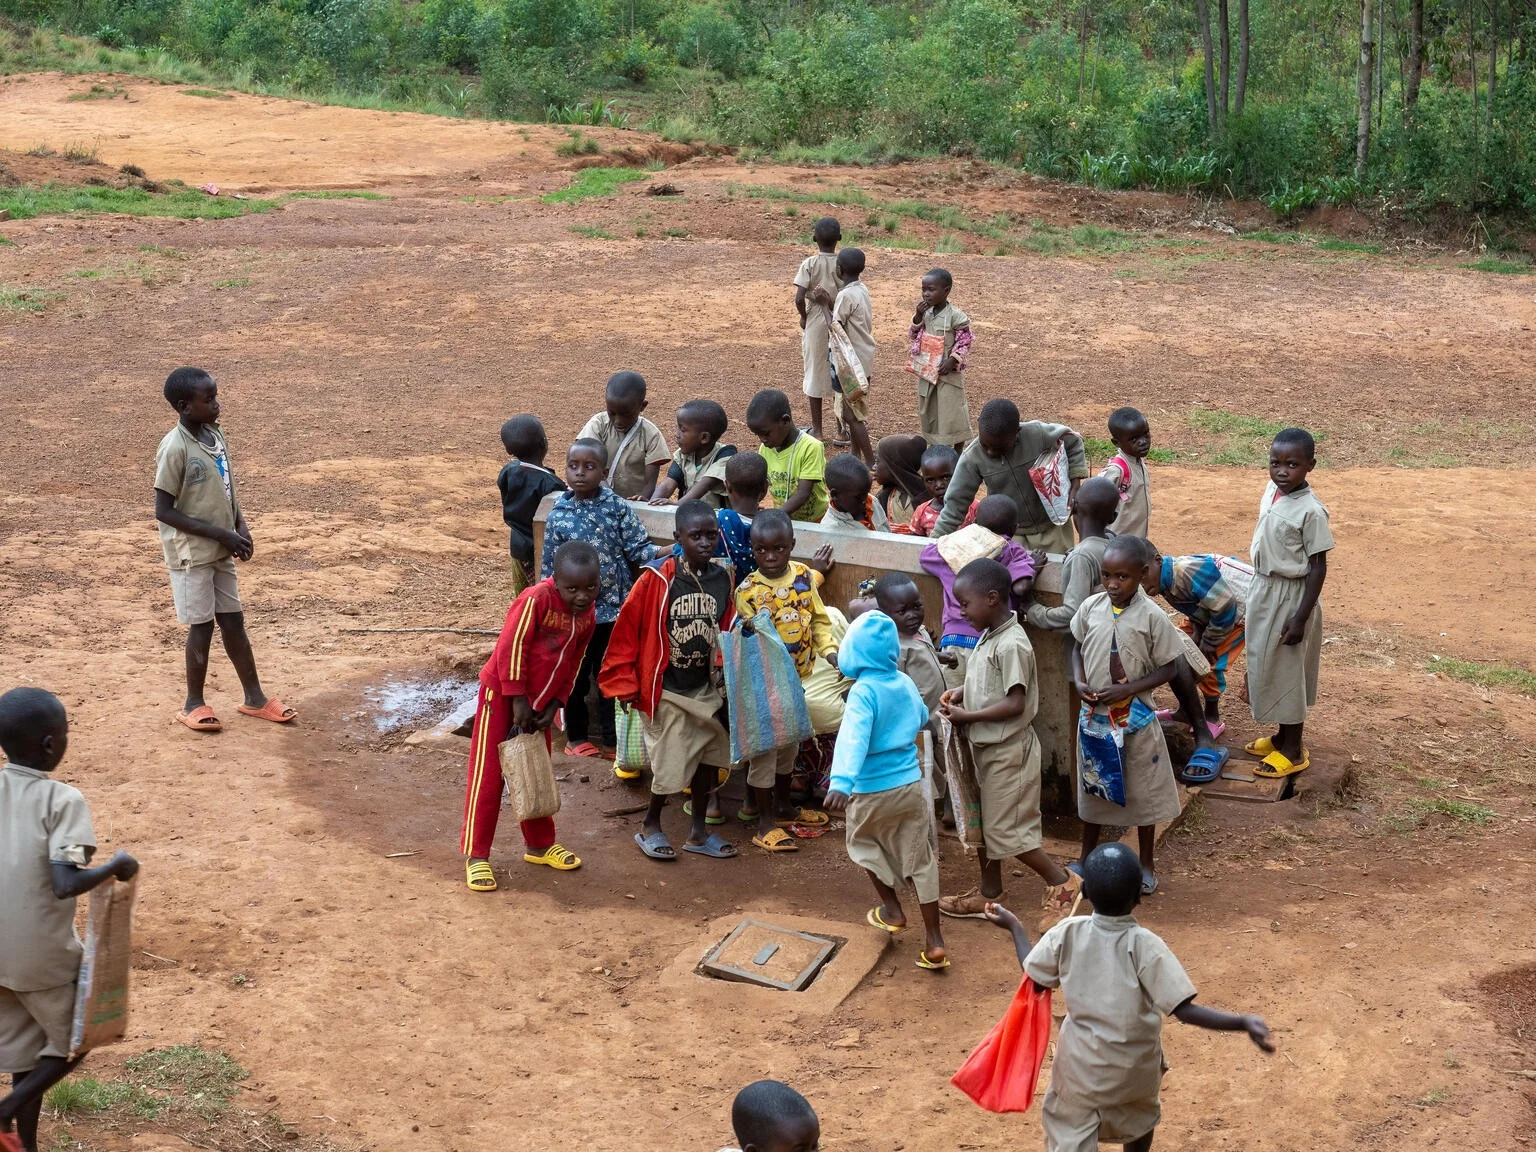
x,y
1133,548
942,276
999,417
986,575
577,554
851,260
1299,437
182,384
26,716
706,414
691,512
998,511
767,407
1099,497
938,455
772,520
847,469
747,473
1112,879
889,584
626,387
827,228
761,1109
1124,419
591,443
523,436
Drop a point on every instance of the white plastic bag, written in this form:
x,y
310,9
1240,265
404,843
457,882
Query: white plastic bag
x,y
1049,476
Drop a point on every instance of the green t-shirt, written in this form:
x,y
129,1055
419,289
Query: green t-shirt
x,y
804,458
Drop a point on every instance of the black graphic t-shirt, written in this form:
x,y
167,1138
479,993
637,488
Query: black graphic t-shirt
x,y
695,604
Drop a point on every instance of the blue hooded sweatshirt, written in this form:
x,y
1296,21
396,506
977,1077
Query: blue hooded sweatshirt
x,y
877,743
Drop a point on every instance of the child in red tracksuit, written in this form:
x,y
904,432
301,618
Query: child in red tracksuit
x,y
661,660
528,677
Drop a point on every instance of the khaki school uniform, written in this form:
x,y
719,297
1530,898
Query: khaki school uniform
x,y
42,821
1082,574
629,453
1146,640
201,482
835,517
1282,678
818,271
942,411
920,661
710,466
684,732
1135,513
888,836
1119,980
856,313
1006,752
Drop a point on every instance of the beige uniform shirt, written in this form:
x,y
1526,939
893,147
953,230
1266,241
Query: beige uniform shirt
x,y
1144,636
1135,495
188,471
42,820
1119,980
1081,575
711,465
1002,658
918,659
816,271
628,455
854,311
835,517
1291,530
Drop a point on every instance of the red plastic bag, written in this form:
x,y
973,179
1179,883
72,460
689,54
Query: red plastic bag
x,y
1002,1073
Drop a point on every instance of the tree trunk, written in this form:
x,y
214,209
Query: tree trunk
x,y
1203,12
1242,56
1415,54
1364,83
1082,51
1224,38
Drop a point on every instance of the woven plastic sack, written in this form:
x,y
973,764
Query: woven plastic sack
x,y
1049,476
851,379
764,698
529,775
927,357
964,791
1001,1075
101,995
629,738
1101,744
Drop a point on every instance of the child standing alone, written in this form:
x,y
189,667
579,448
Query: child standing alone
x,y
817,274
523,482
1127,471
877,779
1285,622
202,532
944,415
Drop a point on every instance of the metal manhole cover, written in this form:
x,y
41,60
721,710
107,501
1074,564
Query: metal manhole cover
x,y
754,952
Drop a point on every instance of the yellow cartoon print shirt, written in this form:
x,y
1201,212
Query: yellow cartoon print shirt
x,y
798,613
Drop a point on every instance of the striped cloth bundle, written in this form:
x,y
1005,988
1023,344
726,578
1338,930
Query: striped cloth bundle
x,y
764,698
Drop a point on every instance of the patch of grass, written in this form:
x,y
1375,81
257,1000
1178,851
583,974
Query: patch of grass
x,y
206,93
579,144
1092,237
1432,1097
41,151
1504,267
1451,1060
590,232
27,201
98,92
80,153
86,273
83,1094
25,299
590,182
338,194
1104,449
161,250
1218,422
7,242
1462,810
198,1078
948,243
237,282
1273,237
1485,675
677,233
1330,244
791,211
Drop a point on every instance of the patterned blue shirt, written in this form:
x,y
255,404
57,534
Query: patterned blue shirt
x,y
610,525
1195,586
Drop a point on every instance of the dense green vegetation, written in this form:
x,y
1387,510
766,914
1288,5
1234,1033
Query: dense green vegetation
x,y
1117,93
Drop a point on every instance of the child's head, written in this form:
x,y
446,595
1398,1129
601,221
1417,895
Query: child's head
x,y
696,532
700,424
192,392
746,480
577,575
586,466
898,464
770,1116
936,286
625,399
997,428
34,732
523,437
1292,456
770,419
982,589
1152,576
1112,879
773,538
998,513
1098,502
897,596
848,483
827,232
1129,430
850,264
1123,567
937,469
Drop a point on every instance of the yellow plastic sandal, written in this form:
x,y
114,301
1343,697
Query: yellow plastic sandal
x,y
479,876
558,858
1276,765
806,816
776,840
1261,747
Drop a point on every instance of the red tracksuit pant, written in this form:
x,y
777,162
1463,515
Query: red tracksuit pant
x,y
482,799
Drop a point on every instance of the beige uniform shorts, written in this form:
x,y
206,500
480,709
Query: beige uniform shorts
x,y
1008,778
205,591
684,733
34,1025
765,768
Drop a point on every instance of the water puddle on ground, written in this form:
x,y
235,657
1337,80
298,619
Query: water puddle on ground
x,y
403,704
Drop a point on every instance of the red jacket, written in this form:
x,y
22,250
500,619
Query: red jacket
x,y
540,647
638,650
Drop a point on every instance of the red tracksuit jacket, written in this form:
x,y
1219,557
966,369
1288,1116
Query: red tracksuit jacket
x,y
540,647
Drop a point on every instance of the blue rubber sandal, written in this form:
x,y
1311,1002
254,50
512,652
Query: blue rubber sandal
x,y
1205,765
714,847
656,846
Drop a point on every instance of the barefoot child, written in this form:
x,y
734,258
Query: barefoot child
x,y
897,468
937,470
944,417
876,778
46,843
996,708
1119,980
849,503
817,273
797,462
530,675
1000,457
697,471
770,1116
854,313
1127,471
202,532
523,482
746,484
593,512
1097,503
1285,621
636,448
661,660
1125,646
788,590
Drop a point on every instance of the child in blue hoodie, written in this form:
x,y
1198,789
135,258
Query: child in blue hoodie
x,y
877,781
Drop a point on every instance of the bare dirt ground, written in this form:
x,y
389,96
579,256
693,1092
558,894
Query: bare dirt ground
x,y
367,352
